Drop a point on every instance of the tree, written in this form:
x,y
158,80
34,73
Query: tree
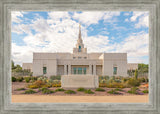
x,y
136,74
13,67
143,68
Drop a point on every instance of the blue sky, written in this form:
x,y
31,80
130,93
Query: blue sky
x,y
101,32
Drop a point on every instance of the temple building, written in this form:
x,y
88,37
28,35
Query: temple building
x,y
78,63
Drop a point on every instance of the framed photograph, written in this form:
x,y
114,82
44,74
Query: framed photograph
x,y
79,56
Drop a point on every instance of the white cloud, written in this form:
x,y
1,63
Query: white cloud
x,y
21,28
135,45
136,14
143,22
142,19
93,17
57,15
15,16
126,20
21,54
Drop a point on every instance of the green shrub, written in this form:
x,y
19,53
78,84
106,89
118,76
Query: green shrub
x,y
32,86
27,79
133,90
145,91
136,74
34,78
46,91
99,89
59,89
81,89
14,79
89,91
133,82
117,89
38,84
30,91
113,91
31,73
19,89
70,92
143,80
20,79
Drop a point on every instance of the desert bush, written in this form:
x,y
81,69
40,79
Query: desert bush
x,y
145,91
133,82
113,91
43,79
55,77
118,80
59,89
89,91
30,91
34,78
125,79
37,84
20,79
46,91
118,89
33,86
81,89
116,85
133,90
100,89
56,81
14,79
27,79
70,92
56,85
19,89
142,79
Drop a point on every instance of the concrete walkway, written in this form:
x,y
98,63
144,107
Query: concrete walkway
x,y
74,99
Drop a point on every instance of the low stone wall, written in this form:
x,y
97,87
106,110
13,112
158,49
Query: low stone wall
x,y
76,81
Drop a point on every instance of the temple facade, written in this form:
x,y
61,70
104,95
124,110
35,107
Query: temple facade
x,y
78,63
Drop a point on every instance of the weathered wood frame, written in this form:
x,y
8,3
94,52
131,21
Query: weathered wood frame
x,y
153,6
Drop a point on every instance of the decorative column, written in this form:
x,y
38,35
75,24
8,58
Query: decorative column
x,y
90,69
94,69
65,69
69,69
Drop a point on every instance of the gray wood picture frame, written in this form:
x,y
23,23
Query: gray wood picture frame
x,y
6,6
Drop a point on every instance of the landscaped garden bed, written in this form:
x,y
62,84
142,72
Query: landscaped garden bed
x,y
107,86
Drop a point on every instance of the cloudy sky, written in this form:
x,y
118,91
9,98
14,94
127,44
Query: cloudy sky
x,y
101,32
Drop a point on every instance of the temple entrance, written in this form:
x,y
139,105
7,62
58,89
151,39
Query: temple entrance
x,y
79,69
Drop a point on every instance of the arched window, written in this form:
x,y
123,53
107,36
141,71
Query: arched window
x,y
79,49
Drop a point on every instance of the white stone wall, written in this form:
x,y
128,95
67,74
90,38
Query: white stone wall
x,y
27,66
77,81
41,60
111,60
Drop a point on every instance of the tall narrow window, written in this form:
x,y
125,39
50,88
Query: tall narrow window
x,y
84,70
79,70
74,70
114,70
44,70
79,49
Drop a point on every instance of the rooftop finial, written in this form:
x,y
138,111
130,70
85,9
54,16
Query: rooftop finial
x,y
79,31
